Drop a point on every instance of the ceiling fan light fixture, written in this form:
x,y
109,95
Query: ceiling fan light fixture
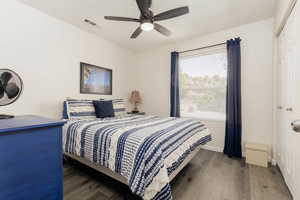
x,y
147,26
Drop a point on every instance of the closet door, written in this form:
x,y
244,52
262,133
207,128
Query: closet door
x,y
289,99
289,102
285,100
295,115
281,100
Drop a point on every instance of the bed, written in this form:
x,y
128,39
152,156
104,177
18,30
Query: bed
x,y
143,152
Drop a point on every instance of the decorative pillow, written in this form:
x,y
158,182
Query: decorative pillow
x,y
104,109
119,107
65,111
80,109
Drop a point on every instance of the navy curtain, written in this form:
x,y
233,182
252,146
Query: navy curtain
x,y
233,135
175,98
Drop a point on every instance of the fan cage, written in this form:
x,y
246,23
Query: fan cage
x,y
21,85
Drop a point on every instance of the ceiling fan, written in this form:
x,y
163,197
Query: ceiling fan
x,y
148,20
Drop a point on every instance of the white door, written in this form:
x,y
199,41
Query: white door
x,y
289,102
295,115
281,100
284,100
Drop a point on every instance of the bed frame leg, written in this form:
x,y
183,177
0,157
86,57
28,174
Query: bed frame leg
x,y
65,159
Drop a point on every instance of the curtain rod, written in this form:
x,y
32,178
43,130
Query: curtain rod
x,y
215,45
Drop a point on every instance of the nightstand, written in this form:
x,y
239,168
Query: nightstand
x,y
139,113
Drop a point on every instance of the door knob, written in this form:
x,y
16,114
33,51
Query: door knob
x,y
279,107
296,126
289,109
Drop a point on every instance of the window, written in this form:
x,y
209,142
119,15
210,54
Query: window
x,y
203,79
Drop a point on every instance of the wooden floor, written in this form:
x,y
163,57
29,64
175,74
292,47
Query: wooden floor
x,y
210,176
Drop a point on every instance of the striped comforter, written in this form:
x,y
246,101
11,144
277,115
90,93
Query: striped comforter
x,y
143,149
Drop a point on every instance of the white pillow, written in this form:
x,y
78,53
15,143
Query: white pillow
x,y
119,107
80,109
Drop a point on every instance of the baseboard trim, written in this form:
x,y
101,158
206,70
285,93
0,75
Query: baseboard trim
x,y
274,162
212,148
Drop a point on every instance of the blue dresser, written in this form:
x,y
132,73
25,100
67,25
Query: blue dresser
x,y
31,159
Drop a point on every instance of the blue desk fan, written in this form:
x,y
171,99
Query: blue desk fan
x,y
11,86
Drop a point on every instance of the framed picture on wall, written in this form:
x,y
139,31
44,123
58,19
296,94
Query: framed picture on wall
x,y
95,80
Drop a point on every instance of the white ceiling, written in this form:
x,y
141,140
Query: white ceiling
x,y
205,16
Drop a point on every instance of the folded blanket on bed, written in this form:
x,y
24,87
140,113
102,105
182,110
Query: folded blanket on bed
x,y
143,149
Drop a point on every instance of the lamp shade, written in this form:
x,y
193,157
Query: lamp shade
x,y
135,97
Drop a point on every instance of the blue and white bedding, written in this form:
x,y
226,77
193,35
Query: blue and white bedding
x,y
143,149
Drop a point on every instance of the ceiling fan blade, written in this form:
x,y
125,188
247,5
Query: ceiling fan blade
x,y
136,33
123,19
144,6
12,90
1,90
162,30
5,77
172,13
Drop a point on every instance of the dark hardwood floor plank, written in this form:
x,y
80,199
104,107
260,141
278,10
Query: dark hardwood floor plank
x,y
117,197
74,182
83,191
268,184
95,194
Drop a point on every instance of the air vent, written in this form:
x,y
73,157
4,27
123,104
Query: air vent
x,y
90,22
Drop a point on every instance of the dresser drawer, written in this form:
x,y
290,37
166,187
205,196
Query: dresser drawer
x,y
31,164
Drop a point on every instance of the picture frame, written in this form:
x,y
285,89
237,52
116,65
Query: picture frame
x,y
95,79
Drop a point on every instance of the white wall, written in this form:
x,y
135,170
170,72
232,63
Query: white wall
x,y
153,80
46,53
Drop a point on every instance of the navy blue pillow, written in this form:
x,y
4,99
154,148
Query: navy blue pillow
x,y
65,113
104,109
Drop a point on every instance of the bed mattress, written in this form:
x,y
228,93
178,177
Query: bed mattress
x,y
145,150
